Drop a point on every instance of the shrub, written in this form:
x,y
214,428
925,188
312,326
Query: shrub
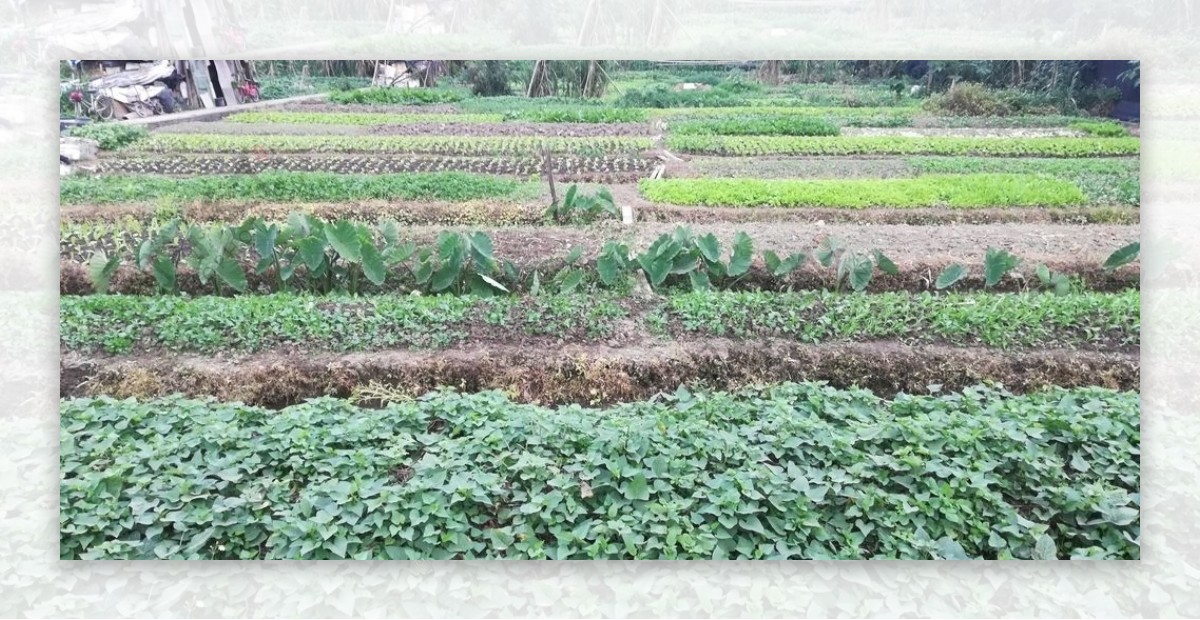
x,y
490,78
967,99
111,135
789,471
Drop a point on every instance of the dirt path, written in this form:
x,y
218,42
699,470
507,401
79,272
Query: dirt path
x,y
591,375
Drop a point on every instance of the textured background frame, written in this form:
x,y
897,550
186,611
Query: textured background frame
x,y
1164,34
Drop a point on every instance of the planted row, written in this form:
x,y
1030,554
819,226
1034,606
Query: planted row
x,y
403,96
900,145
574,167
309,254
448,145
358,118
291,187
788,471
120,324
955,191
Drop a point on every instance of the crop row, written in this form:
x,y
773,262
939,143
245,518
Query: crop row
x,y
448,145
756,126
291,187
955,191
184,165
120,324
898,145
359,118
310,254
786,471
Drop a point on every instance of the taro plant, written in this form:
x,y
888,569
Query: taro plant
x,y
699,259
152,255
101,269
460,263
582,208
213,253
855,269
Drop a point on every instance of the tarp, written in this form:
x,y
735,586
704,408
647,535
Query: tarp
x,y
138,77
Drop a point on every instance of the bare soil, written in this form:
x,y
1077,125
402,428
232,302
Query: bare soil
x,y
591,374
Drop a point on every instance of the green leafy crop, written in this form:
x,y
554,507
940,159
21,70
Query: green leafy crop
x,y
790,471
903,145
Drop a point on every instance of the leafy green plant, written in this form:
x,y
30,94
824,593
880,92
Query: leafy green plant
x,y
111,135
955,191
1123,256
764,473
1103,129
441,145
582,208
397,96
101,269
358,118
783,125
997,263
903,145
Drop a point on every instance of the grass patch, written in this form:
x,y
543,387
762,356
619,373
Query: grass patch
x,y
122,324
899,145
956,191
291,187
447,145
358,118
785,471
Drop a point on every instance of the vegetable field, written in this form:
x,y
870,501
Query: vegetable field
x,y
737,322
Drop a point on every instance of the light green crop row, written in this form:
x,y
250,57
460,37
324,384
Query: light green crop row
x,y
900,145
957,191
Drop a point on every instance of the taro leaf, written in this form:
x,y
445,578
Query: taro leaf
x,y
264,242
996,263
164,274
481,252
743,253
493,283
657,268
1062,284
575,255
710,248
684,263
510,270
1045,549
682,235
372,264
298,225
1043,274
605,196
637,488
569,199
390,230
570,281
102,269
423,271
825,251
480,287
396,254
608,269
772,261
536,286
949,549
860,272
1123,256
885,264
450,245
151,247
446,275
700,281
230,272
950,275
344,239
312,252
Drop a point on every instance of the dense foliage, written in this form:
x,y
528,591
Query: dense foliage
x,y
757,126
405,96
799,471
956,191
119,324
289,187
903,145
111,136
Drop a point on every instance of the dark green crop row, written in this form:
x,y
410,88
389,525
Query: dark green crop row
x,y
448,145
404,96
291,187
955,191
123,324
900,145
789,471
756,126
